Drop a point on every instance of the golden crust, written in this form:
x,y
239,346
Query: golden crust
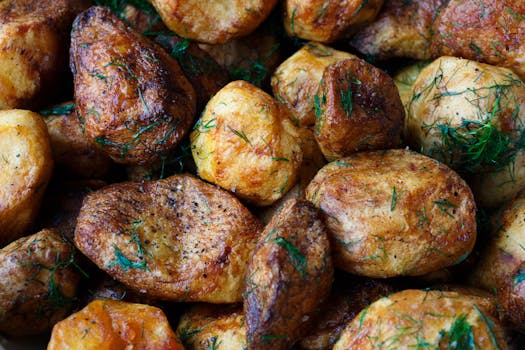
x,y
288,277
115,325
244,143
135,101
177,239
26,167
394,213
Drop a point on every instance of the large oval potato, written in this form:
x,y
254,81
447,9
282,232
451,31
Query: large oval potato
x,y
213,22
466,114
428,319
289,276
26,164
244,143
178,239
38,283
115,325
131,94
296,81
394,213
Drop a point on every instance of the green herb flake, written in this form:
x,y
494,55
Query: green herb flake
x,y
444,205
346,101
393,201
298,259
58,110
240,134
460,336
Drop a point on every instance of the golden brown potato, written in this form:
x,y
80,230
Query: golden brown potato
x,y
132,96
33,53
288,278
213,22
511,295
490,31
244,143
466,114
38,281
296,80
328,21
115,325
73,152
217,327
357,108
394,213
405,79
177,239
425,319
402,29
26,166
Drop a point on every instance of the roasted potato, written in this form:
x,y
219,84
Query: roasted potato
x,y
218,327
33,56
132,97
177,239
328,21
296,81
429,319
244,143
26,166
402,29
357,108
106,288
511,295
405,79
490,31
394,213
213,22
466,114
38,281
288,277
115,325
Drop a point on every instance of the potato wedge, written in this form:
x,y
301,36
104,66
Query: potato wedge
x,y
177,239
38,281
394,213
132,96
115,325
288,278
26,166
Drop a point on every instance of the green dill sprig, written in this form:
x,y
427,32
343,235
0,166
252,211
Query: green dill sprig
x,y
122,260
444,205
58,110
298,259
459,336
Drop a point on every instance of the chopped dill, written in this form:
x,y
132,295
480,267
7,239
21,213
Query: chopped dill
x,y
460,336
298,259
269,337
58,110
240,134
346,101
444,205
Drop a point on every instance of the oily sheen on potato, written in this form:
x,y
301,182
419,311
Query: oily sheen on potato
x,y
394,213
177,239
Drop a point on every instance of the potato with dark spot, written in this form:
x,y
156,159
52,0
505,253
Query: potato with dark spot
x,y
394,213
288,278
357,108
135,101
38,283
177,239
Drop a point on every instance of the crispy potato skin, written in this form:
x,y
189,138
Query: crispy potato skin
x,y
288,277
213,22
328,21
358,109
135,101
177,239
493,32
26,167
33,56
394,213
296,81
443,320
401,29
115,325
37,283
219,327
244,143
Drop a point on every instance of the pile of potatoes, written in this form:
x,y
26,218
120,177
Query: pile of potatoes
x,y
259,174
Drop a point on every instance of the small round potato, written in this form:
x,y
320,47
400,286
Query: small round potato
x,y
244,143
426,319
213,22
466,114
26,164
296,81
357,108
327,21
38,281
115,325
405,79
394,213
